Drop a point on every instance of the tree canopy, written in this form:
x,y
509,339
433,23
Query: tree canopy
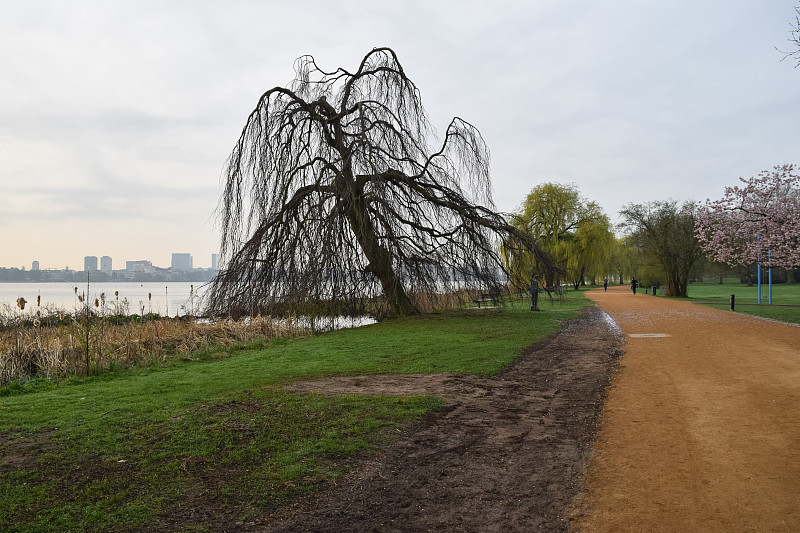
x,y
663,232
574,231
757,221
338,192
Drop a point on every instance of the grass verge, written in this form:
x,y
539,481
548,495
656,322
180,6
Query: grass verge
x,y
218,441
718,295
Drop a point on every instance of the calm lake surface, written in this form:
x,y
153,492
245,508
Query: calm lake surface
x,y
165,298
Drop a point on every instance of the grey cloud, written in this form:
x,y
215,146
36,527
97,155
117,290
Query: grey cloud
x,y
138,103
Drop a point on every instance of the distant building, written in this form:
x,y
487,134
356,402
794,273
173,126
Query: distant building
x,y
139,266
105,264
90,263
214,261
35,266
182,262
52,274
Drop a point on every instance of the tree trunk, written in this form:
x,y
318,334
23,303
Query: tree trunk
x,y
380,264
672,288
683,289
549,279
678,286
380,260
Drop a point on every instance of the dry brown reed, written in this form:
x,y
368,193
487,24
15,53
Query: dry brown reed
x,y
30,350
427,302
461,298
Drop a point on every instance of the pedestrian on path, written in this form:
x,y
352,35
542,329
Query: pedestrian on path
x,y
605,284
634,284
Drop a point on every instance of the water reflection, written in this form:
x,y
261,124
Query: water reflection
x,y
313,324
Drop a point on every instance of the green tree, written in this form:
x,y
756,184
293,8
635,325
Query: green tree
x,y
663,233
592,246
622,263
575,232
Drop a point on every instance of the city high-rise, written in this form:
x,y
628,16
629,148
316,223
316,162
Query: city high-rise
x,y
90,263
182,262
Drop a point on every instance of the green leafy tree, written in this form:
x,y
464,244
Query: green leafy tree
x,y
622,263
663,233
592,246
573,231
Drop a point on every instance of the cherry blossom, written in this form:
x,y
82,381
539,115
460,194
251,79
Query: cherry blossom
x,y
758,220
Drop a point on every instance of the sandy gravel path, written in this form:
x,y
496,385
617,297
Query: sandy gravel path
x,y
701,428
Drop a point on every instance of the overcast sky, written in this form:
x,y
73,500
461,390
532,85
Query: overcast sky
x,y
116,117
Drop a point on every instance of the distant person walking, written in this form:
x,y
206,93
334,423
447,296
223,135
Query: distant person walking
x,y
605,284
634,284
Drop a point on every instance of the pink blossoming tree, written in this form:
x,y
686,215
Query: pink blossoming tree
x,y
756,221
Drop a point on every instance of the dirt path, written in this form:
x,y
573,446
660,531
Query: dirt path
x,y
701,429
505,454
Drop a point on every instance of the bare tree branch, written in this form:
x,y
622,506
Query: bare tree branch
x,y
333,197
794,39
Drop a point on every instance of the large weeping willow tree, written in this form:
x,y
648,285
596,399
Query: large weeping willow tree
x,y
334,196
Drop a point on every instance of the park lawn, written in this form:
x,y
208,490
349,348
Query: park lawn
x,y
127,451
718,295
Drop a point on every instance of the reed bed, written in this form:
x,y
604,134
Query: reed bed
x,y
62,345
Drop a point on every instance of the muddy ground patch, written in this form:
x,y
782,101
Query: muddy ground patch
x,y
506,453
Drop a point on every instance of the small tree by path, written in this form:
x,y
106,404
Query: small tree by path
x,y
663,233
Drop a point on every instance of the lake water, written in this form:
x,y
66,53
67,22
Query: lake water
x,y
169,298
165,298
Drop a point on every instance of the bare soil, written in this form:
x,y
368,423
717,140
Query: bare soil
x,y
507,453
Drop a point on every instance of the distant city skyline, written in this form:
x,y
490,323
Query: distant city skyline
x,y
106,263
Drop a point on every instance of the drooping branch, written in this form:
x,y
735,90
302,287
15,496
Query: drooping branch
x,y
334,197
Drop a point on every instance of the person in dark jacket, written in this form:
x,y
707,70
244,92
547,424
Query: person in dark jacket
x,y
634,284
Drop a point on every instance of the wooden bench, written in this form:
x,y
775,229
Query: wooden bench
x,y
485,298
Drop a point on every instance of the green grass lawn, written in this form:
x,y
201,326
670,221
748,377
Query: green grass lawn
x,y
124,451
718,295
